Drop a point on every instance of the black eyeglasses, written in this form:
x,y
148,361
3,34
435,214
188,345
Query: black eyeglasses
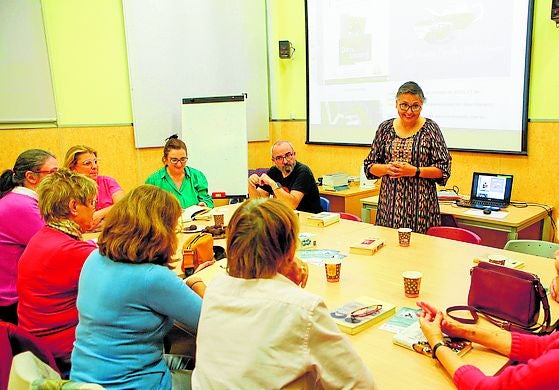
x,y
414,107
364,312
286,156
182,160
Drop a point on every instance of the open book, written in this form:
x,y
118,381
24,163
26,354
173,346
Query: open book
x,y
195,212
366,312
413,338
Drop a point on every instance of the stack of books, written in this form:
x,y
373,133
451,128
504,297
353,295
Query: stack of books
x,y
335,180
322,219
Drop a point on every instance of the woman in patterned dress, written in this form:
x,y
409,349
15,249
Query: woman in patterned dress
x,y
411,154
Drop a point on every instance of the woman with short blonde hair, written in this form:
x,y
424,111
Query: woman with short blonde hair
x,y
265,239
128,298
83,159
49,269
286,334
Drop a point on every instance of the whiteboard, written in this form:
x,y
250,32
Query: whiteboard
x,y
181,48
26,94
215,132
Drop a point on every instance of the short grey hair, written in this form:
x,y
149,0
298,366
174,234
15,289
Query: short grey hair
x,y
279,143
412,88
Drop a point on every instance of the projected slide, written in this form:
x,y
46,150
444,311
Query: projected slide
x,y
469,56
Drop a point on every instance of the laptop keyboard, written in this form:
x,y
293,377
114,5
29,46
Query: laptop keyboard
x,y
478,204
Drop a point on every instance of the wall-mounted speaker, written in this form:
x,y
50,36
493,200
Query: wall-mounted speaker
x,y
555,10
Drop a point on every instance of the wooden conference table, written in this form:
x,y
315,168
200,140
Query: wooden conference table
x,y
445,265
517,218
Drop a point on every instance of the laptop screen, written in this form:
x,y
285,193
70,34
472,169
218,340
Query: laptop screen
x,y
491,187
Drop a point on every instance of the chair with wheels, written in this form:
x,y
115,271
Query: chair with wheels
x,y
324,203
454,233
350,217
533,247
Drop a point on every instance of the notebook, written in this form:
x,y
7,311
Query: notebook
x,y
489,190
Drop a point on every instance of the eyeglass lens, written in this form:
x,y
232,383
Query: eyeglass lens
x,y
406,106
177,160
89,163
286,156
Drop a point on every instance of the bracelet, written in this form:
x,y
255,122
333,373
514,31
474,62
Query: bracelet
x,y
193,283
417,171
198,281
435,347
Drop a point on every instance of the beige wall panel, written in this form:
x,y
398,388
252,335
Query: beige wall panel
x,y
18,140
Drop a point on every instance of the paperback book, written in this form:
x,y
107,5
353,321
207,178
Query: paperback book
x,y
413,338
322,219
335,188
403,318
361,313
367,246
511,263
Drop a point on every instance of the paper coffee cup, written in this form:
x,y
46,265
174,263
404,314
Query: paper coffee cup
x,y
333,268
219,219
404,236
412,283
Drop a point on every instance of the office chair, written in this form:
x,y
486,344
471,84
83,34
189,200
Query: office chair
x,y
454,233
350,217
533,247
324,203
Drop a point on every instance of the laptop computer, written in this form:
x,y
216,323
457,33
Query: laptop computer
x,y
491,190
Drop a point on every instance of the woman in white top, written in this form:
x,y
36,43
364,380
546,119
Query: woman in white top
x,y
258,328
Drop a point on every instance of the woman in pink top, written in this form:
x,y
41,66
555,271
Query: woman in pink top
x,y
19,219
538,355
83,159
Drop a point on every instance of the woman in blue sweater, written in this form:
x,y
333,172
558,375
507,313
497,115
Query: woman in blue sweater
x,y
128,298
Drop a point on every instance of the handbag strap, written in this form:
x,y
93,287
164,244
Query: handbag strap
x,y
473,312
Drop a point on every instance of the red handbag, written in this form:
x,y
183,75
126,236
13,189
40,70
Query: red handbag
x,y
508,298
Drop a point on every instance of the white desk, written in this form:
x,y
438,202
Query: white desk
x,y
516,220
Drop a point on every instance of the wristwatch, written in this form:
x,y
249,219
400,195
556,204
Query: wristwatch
x,y
417,171
278,186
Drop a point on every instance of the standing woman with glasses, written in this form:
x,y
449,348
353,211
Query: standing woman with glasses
x,y
83,159
410,154
50,266
19,219
187,184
